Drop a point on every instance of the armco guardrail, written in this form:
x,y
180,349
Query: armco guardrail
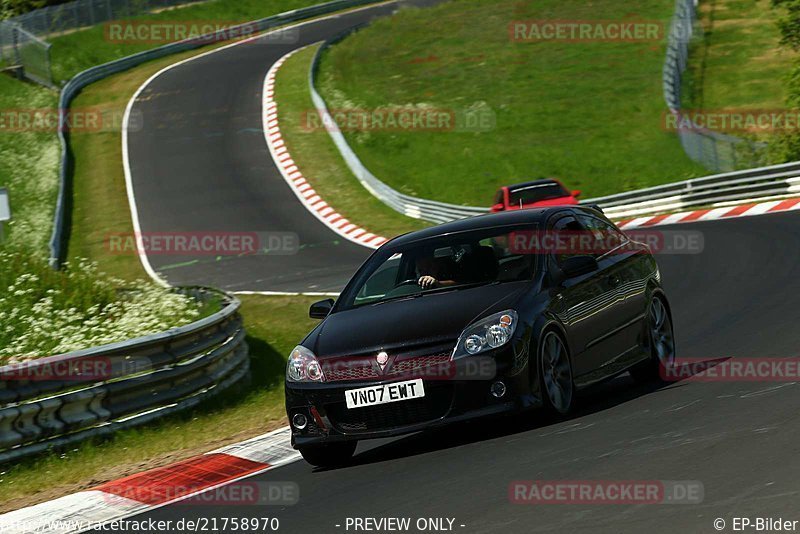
x,y
428,210
763,183
55,401
714,150
99,72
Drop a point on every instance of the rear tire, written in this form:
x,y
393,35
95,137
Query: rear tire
x,y
330,455
661,341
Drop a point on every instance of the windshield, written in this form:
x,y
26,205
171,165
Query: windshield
x,y
537,192
440,264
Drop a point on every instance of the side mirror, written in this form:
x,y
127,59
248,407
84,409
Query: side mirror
x,y
576,193
321,309
579,265
498,207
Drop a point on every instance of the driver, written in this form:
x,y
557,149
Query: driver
x,y
432,272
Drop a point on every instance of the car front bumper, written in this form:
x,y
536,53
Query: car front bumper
x,y
447,400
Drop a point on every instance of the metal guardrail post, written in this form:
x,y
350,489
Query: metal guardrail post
x,y
15,44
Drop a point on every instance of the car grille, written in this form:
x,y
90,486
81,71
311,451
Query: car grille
x,y
350,371
414,364
343,369
433,406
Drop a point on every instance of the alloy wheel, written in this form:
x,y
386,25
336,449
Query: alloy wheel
x,y
661,336
556,373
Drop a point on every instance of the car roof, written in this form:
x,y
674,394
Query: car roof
x,y
489,220
543,181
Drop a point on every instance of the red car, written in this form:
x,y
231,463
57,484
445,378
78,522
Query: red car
x,y
537,193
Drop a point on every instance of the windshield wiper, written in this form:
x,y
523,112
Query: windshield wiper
x,y
395,299
436,291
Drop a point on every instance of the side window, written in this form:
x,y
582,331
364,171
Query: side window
x,y
605,235
382,281
565,231
498,197
512,263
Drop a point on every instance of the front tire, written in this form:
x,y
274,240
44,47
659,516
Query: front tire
x,y
661,341
555,374
330,455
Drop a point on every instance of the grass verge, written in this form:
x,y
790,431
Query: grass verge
x,y
73,52
45,311
320,161
739,62
590,112
28,166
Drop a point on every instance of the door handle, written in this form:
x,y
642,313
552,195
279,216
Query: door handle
x,y
614,281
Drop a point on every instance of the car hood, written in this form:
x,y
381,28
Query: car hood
x,y
428,319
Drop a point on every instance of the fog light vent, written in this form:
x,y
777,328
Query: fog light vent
x,y
299,421
498,389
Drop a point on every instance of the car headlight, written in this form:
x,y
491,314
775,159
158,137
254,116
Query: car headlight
x,y
487,334
303,366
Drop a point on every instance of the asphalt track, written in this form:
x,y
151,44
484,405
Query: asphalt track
x,y
738,298
199,165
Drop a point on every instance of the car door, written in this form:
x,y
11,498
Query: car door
x,y
618,262
582,303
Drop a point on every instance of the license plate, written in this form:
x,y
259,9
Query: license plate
x,y
372,395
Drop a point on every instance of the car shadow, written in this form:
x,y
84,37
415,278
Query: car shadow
x,y
598,398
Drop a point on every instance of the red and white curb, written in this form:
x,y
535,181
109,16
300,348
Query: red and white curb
x,y
294,177
711,214
152,489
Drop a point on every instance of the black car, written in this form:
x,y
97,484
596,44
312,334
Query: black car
x,y
480,316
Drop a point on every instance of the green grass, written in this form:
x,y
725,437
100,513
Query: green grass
x,y
315,154
588,112
44,311
73,52
739,63
28,166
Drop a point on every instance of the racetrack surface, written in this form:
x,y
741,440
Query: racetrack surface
x,y
738,298
200,165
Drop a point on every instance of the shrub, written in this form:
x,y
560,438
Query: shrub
x,y
44,311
